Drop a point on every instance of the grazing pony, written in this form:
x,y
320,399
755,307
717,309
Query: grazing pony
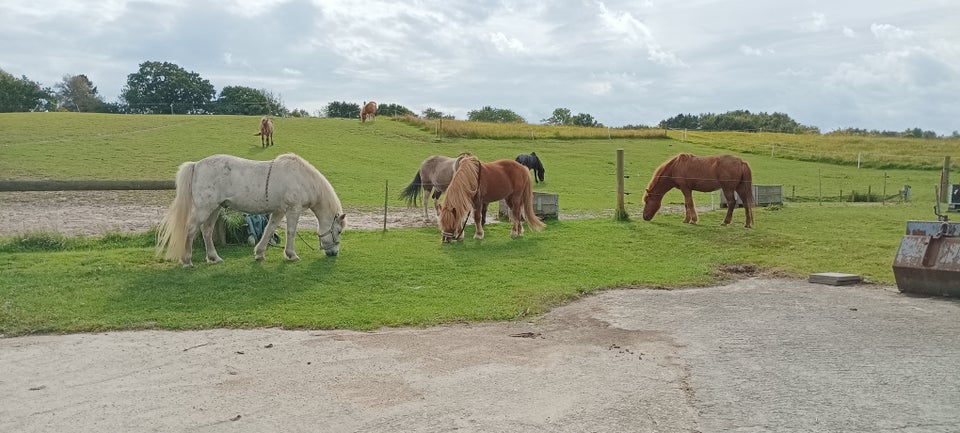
x,y
432,178
266,132
688,173
282,187
369,110
475,185
532,161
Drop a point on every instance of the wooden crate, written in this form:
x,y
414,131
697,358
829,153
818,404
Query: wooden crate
x,y
545,205
763,195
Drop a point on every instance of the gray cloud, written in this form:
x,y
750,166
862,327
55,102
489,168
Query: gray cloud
x,y
884,64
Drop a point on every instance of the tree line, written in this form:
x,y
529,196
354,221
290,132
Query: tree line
x,y
167,88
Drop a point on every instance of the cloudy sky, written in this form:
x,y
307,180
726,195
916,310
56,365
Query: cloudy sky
x,y
874,64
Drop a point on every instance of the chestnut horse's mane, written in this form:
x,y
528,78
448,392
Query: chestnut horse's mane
x,y
659,172
465,183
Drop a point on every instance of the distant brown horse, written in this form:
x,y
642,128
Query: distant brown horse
x,y
474,185
266,131
688,173
432,178
369,111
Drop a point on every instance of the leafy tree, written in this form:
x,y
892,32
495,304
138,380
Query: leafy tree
x,y
561,116
248,101
163,87
299,112
347,110
738,120
77,93
584,119
21,94
495,115
430,113
394,110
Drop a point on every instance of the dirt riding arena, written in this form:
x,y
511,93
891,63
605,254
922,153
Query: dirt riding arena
x,y
761,354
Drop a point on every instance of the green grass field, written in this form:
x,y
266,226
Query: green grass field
x,y
50,283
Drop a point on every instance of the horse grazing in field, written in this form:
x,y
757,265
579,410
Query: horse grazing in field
x,y
266,132
688,173
432,178
282,187
369,111
474,185
532,161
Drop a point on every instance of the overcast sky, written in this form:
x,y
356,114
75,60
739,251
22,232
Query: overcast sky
x,y
874,64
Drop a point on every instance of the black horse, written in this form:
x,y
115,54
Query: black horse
x,y
532,162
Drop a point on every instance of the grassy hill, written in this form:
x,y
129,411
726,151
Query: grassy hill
x,y
406,277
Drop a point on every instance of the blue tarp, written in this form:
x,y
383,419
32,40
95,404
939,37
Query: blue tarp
x,y
256,223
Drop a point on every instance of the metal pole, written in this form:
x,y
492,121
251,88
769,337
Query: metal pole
x,y
621,212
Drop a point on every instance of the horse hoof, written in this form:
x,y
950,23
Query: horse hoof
x,y
214,260
187,265
293,259
258,258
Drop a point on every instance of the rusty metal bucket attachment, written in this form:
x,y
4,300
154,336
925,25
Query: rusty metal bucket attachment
x,y
928,261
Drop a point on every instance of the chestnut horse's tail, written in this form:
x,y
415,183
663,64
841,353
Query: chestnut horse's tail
x,y
172,233
529,213
746,178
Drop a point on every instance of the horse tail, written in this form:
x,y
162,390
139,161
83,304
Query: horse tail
x,y
172,232
529,213
411,192
746,177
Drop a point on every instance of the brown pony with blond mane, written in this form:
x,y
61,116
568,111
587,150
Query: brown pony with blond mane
x,y
474,185
266,132
688,173
369,111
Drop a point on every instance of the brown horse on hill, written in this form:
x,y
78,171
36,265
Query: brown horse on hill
x,y
474,185
266,132
688,173
369,111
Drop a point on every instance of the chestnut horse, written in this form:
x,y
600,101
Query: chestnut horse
x,y
266,132
432,178
369,110
474,185
688,173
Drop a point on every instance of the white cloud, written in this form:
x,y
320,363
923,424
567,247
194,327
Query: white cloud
x,y
816,22
887,32
631,31
504,44
750,51
848,32
598,88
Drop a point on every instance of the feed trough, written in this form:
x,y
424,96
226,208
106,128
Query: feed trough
x,y
928,261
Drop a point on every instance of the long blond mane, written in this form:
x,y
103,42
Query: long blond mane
x,y
464,186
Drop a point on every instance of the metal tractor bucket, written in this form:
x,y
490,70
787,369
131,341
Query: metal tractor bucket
x,y
928,261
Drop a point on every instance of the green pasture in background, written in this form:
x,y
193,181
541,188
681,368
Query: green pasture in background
x,y
52,283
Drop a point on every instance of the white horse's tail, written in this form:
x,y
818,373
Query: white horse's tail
x,y
172,233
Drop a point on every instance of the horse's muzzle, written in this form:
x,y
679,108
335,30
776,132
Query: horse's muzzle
x,y
332,252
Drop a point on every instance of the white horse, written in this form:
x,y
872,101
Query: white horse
x,y
282,187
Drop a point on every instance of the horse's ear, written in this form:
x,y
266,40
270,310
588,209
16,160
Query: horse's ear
x,y
342,218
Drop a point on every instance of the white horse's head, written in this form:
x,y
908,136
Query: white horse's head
x,y
330,239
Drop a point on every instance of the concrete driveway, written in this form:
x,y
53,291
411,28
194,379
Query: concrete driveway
x,y
755,355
